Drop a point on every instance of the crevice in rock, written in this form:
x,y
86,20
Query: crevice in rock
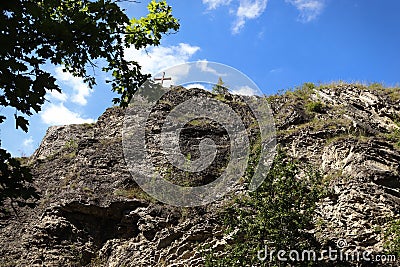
x,y
103,223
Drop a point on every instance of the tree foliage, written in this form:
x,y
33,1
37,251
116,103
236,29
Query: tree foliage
x,y
220,88
76,34
15,183
277,215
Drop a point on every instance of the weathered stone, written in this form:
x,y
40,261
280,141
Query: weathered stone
x,y
93,213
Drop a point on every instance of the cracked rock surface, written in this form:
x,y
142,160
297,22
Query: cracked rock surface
x,y
92,213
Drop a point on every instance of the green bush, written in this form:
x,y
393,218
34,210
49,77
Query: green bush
x,y
314,107
302,92
392,238
308,86
278,215
71,144
375,86
394,136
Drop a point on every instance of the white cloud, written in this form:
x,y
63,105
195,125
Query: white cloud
x,y
60,115
195,85
245,10
245,90
203,66
27,147
261,34
158,58
177,73
248,10
58,96
213,4
27,143
309,9
80,90
277,70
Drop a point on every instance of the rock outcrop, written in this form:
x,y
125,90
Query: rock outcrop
x,y
92,213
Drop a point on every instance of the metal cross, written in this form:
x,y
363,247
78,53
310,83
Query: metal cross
x,y
162,79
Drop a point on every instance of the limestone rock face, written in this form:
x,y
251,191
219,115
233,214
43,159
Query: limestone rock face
x,y
92,213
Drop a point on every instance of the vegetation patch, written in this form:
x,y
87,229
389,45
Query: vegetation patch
x,y
24,161
318,124
392,238
302,92
278,215
70,155
70,149
220,97
394,136
316,107
395,94
199,122
71,144
134,193
88,125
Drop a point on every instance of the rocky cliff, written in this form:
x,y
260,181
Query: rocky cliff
x,y
92,213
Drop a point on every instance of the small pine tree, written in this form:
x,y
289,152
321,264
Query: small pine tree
x,y
220,88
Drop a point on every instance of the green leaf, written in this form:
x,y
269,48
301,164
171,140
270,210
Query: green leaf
x,y
21,122
75,34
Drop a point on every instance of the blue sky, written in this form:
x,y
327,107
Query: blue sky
x,y
278,44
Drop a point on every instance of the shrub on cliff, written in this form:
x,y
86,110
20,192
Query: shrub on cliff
x,y
277,215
